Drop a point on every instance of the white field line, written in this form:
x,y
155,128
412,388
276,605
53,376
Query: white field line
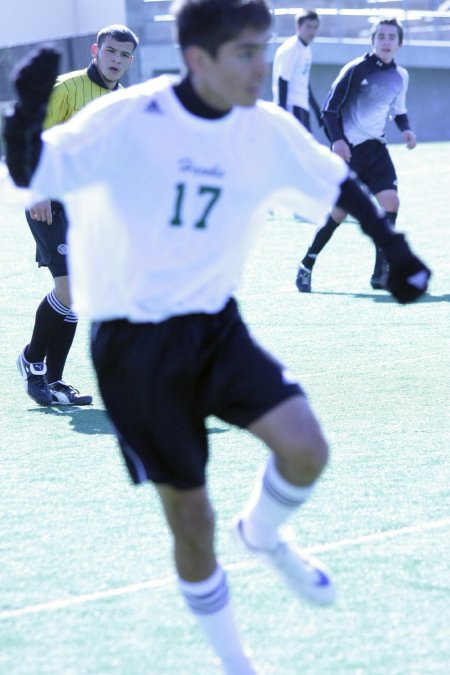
x,y
165,581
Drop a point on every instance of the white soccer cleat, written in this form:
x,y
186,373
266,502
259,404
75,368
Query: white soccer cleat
x,y
303,574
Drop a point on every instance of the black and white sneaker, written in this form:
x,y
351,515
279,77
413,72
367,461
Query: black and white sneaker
x,y
34,379
303,281
64,394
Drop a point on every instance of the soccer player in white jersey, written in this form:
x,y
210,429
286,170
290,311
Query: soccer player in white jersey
x,y
367,92
291,70
168,343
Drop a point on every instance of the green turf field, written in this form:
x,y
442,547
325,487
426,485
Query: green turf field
x,y
85,564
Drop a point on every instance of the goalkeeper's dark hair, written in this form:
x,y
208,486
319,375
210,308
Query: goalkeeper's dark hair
x,y
117,32
210,23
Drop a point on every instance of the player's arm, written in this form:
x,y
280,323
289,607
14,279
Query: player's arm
x,y
315,106
408,275
57,112
399,112
331,111
282,74
404,126
282,92
335,133
59,109
22,125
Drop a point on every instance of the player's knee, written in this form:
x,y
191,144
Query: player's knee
x,y
338,214
307,457
313,453
389,200
62,290
393,204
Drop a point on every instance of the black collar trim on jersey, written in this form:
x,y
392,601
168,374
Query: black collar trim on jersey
x,y
95,76
193,103
378,62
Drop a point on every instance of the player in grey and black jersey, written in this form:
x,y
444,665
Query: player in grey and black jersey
x,y
367,92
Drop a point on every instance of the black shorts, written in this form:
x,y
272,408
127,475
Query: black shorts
x,y
373,164
159,381
51,241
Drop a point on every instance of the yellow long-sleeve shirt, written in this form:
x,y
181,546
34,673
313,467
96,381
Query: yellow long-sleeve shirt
x,y
72,91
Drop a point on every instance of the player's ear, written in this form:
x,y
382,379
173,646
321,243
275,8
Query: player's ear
x,y
94,50
196,58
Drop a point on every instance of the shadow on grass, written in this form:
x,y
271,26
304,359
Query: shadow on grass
x,y
386,298
83,419
89,420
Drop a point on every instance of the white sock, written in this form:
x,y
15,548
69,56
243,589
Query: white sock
x,y
273,500
209,601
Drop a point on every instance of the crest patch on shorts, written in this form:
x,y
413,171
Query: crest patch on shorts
x,y
63,249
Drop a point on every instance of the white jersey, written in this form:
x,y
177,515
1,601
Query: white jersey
x,y
164,206
292,62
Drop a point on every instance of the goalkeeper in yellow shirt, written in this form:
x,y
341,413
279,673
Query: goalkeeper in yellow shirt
x,y
41,362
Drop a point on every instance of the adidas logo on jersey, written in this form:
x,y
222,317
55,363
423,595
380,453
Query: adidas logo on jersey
x,y
153,107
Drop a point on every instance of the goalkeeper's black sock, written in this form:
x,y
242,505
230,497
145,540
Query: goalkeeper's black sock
x,y
59,347
321,239
379,257
49,316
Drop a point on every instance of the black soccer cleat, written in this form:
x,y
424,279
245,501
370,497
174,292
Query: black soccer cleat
x,y
34,379
303,281
64,394
378,281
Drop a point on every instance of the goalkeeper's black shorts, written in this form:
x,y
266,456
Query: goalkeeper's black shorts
x,y
51,241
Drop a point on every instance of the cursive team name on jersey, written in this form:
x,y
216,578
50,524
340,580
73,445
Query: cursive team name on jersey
x,y
186,165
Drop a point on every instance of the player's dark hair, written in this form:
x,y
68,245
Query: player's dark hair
x,y
210,23
306,15
389,22
117,32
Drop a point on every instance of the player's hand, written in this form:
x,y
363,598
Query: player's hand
x,y
408,275
408,281
342,149
42,212
34,78
410,139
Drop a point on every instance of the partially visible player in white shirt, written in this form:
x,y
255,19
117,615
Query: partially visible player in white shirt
x,y
291,70
166,185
